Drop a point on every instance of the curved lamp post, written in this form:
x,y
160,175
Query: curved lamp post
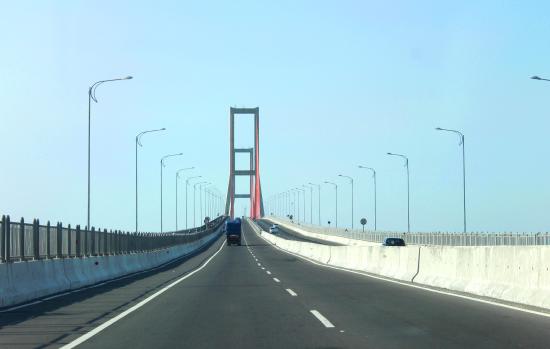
x,y
178,176
408,191
195,202
351,180
336,188
92,97
186,186
374,176
138,143
318,199
162,165
460,143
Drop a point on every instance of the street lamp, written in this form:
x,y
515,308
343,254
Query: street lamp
x,y
302,190
161,167
194,201
408,191
319,199
178,176
138,143
336,188
200,196
92,97
461,143
310,202
374,176
187,185
351,180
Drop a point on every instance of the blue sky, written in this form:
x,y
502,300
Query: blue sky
x,y
338,84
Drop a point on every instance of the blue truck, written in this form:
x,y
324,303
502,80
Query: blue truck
x,y
233,231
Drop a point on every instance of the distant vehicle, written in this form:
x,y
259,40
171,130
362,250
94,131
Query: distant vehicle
x,y
274,229
393,242
233,231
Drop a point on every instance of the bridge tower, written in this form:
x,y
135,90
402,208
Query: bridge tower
x,y
255,193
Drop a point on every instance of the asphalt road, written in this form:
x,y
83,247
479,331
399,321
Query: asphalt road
x,y
255,296
288,234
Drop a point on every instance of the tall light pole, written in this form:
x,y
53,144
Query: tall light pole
x,y
408,190
92,97
302,190
186,186
373,176
351,180
319,199
336,211
177,177
194,201
461,143
138,143
310,202
200,196
161,167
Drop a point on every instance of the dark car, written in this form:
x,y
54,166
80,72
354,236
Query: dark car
x,y
393,242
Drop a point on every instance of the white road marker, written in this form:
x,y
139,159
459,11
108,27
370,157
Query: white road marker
x,y
292,293
259,264
120,316
263,268
321,318
268,272
425,288
276,280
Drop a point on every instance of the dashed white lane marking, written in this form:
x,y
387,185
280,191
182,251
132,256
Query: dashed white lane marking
x,y
470,298
120,316
268,272
263,268
292,293
259,264
276,280
321,318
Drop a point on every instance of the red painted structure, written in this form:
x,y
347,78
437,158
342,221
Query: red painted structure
x,y
255,194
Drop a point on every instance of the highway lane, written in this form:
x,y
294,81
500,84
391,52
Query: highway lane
x,y
288,234
63,318
256,296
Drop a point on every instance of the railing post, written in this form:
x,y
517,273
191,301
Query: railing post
x,y
8,239
69,241
92,240
104,242
58,240
22,239
77,242
48,241
35,239
3,240
85,251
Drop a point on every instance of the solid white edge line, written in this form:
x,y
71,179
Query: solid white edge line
x,y
292,293
479,300
120,316
97,285
321,318
276,280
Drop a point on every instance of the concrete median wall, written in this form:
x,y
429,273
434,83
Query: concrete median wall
x,y
519,274
330,238
21,282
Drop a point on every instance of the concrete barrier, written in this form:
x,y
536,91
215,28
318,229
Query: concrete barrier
x,y
324,237
22,282
519,274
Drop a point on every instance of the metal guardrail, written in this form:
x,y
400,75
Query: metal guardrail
x,y
20,241
433,238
